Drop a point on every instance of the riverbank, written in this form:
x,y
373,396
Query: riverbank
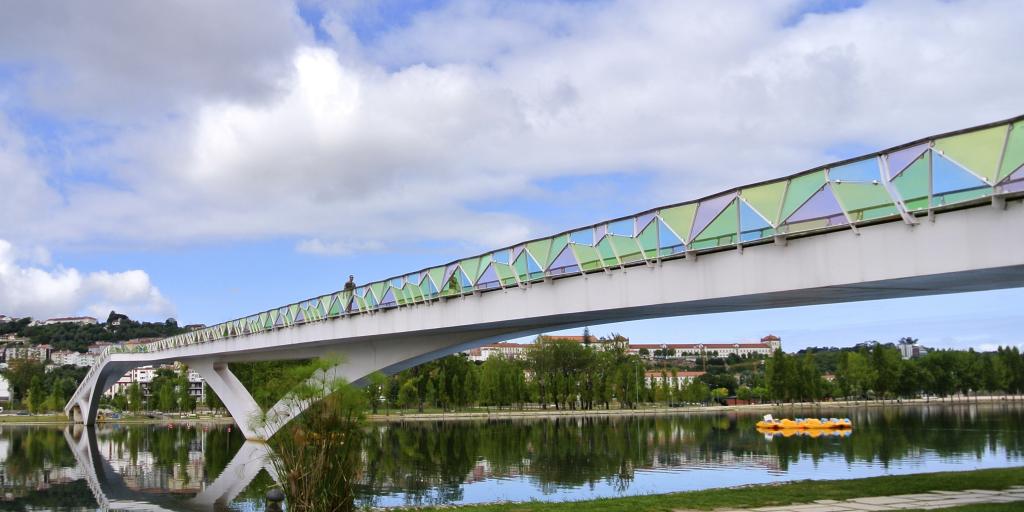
x,y
805,492
60,419
799,407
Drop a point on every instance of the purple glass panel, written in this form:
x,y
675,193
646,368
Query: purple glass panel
x,y
708,210
515,252
899,160
642,221
448,273
564,259
1013,182
599,233
822,204
389,298
489,276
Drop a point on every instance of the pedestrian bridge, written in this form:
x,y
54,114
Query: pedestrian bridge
x,y
942,214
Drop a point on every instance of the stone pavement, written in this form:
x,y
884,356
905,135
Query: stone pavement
x,y
924,501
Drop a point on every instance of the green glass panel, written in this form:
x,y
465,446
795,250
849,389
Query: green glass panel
x,y
521,268
679,219
1013,156
378,290
557,245
503,272
587,256
864,201
913,183
604,248
436,275
336,307
472,268
964,195
978,151
539,250
799,191
721,231
806,225
626,248
766,199
648,240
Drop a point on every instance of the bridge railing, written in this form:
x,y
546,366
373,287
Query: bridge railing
x,y
899,183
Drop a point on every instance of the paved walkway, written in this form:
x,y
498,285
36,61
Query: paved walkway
x,y
925,501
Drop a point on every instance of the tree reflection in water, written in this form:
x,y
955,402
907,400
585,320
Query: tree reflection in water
x,y
436,462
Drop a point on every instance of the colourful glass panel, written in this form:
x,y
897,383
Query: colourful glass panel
x,y
587,256
564,263
648,240
820,206
539,250
864,201
952,184
1013,155
679,219
708,211
861,170
642,221
766,199
898,161
520,267
752,225
978,151
720,231
582,237
913,183
604,248
800,190
668,242
626,248
558,245
489,278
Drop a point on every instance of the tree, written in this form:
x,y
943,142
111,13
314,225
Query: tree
x,y
886,362
212,401
408,395
719,394
744,393
19,375
186,402
374,389
135,397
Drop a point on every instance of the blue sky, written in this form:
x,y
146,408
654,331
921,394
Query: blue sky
x,y
163,167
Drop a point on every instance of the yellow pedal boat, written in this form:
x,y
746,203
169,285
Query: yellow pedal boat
x,y
769,423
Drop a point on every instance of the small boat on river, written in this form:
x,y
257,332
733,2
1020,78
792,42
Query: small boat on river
x,y
769,423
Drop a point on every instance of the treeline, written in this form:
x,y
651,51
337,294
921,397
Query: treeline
x,y
556,373
38,390
879,372
78,337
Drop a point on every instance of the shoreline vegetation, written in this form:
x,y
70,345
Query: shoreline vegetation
x,y
397,416
780,495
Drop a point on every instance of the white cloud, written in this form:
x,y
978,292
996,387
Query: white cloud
x,y
57,291
411,135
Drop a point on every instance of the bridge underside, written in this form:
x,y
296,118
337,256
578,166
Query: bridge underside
x,y
974,249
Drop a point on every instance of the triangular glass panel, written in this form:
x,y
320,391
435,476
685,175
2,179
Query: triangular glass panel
x,y
801,189
501,256
532,267
489,278
413,279
599,232
587,256
515,252
622,227
947,177
752,225
913,183
864,201
861,170
901,159
648,240
668,242
642,221
822,205
708,211
766,199
1013,154
448,271
465,281
952,184
1013,182
300,316
564,263
539,250
558,245
978,151
720,231
471,266
389,298
582,237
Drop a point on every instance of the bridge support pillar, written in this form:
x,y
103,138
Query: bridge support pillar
x,y
238,401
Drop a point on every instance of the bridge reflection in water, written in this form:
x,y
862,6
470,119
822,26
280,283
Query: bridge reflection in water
x,y
113,492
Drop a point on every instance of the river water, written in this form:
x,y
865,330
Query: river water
x,y
210,467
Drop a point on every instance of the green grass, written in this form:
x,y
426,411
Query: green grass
x,y
985,507
785,494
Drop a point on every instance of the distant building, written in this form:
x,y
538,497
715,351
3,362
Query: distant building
x,y
764,348
601,343
144,377
509,350
912,350
677,381
81,320
5,389
5,319
70,357
39,353
194,327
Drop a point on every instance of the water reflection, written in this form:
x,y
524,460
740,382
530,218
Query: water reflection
x,y
211,467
